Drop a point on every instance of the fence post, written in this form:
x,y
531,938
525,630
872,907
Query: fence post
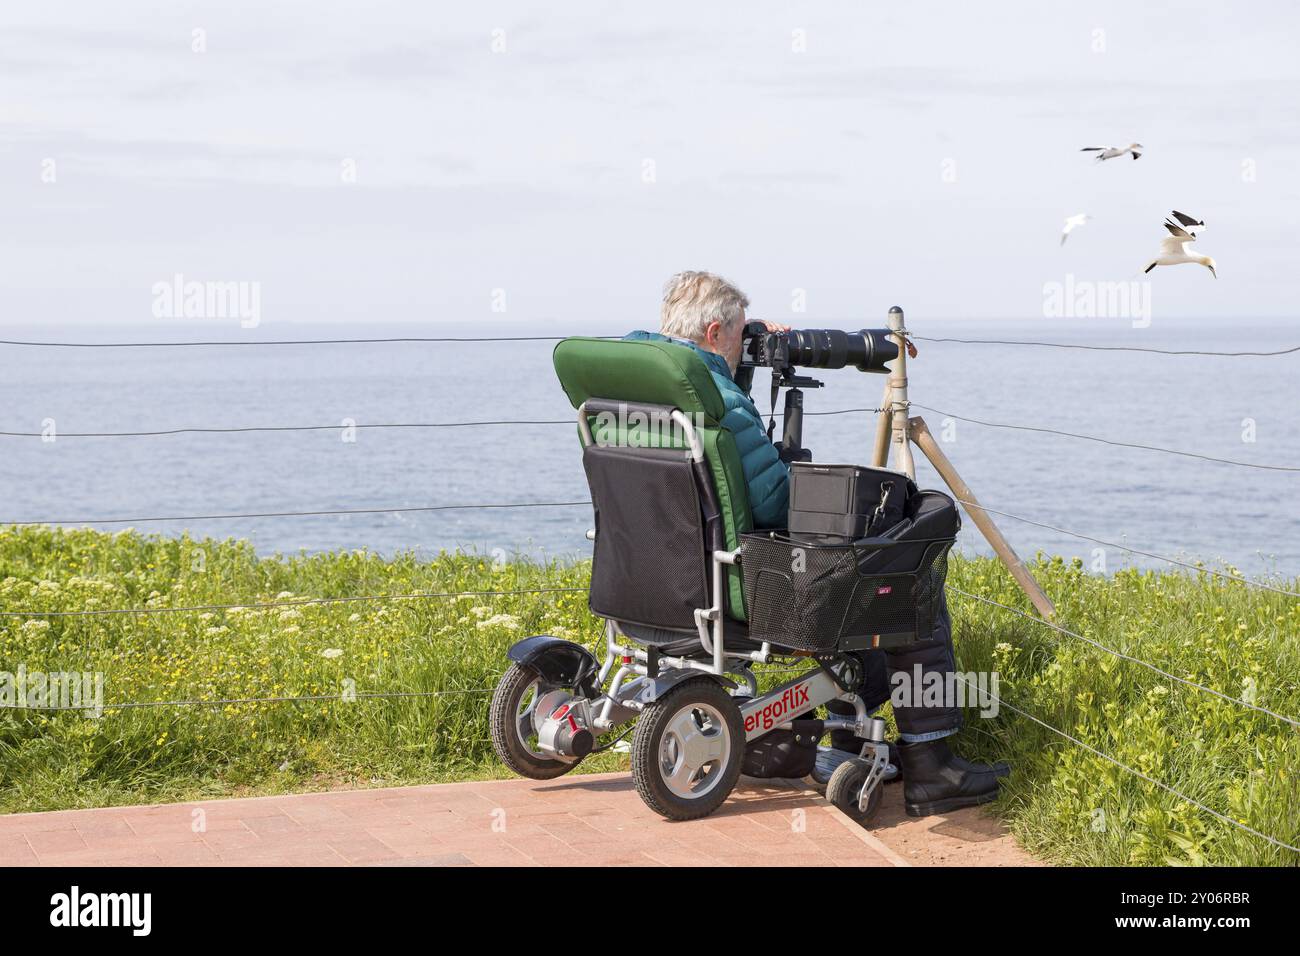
x,y
884,427
898,398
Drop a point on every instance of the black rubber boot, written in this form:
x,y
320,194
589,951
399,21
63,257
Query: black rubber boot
x,y
935,780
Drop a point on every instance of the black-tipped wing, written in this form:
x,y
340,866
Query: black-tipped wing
x,y
1187,220
1177,231
1092,149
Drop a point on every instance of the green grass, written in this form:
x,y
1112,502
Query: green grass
x,y
1064,804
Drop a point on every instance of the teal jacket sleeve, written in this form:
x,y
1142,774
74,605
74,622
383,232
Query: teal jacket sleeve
x,y
766,476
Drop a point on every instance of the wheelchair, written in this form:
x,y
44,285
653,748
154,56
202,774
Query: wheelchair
x,y
672,541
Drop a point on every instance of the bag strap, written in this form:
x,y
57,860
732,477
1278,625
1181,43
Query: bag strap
x,y
878,516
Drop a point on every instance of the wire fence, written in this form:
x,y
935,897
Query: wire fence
x,y
556,338
258,342
1110,348
245,429
148,519
293,602
1106,441
1224,818
234,701
1128,657
308,698
1200,568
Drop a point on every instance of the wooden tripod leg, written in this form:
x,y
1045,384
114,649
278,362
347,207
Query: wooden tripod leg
x,y
920,434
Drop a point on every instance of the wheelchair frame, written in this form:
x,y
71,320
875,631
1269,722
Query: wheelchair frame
x,y
569,709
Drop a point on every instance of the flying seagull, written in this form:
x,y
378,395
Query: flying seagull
x,y
1177,248
1114,152
1071,222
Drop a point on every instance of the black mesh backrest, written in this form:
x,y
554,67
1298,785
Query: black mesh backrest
x,y
651,563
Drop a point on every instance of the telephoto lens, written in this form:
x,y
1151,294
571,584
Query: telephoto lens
x,y
867,350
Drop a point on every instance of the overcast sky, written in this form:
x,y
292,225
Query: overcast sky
x,y
923,154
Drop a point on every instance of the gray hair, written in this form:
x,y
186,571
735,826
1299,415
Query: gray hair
x,y
694,300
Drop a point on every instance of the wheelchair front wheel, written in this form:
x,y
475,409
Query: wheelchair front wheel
x,y
687,750
845,790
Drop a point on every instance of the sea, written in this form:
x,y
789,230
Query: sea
x,y
1218,492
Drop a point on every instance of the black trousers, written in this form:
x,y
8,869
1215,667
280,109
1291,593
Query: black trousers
x,y
878,668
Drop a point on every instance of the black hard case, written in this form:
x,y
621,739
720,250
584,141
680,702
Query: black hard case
x,y
844,501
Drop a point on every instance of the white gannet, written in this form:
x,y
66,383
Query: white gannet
x,y
1113,152
1177,249
1190,225
1072,222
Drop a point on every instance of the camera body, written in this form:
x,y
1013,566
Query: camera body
x,y
764,349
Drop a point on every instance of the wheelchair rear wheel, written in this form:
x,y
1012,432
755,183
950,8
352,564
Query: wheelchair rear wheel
x,y
514,719
687,750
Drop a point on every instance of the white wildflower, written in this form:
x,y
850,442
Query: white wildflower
x,y
508,621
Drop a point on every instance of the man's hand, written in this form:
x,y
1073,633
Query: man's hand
x,y
773,326
789,455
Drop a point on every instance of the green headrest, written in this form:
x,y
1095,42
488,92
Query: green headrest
x,y
656,373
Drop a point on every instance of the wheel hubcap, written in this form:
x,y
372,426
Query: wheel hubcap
x,y
536,703
693,750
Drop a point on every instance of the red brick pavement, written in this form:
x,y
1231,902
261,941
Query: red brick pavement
x,y
587,820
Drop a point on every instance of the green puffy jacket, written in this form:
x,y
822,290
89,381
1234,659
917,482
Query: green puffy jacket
x,y
767,477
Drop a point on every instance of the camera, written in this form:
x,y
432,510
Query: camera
x,y
867,350
783,352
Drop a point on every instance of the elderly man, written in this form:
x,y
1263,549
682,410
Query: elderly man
x,y
706,313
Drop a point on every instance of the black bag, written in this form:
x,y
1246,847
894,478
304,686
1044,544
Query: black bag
x,y
929,516
846,501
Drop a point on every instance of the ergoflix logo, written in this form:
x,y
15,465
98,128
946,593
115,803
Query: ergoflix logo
x,y
76,908
791,701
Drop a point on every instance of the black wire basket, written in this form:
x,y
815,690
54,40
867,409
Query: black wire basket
x,y
824,597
